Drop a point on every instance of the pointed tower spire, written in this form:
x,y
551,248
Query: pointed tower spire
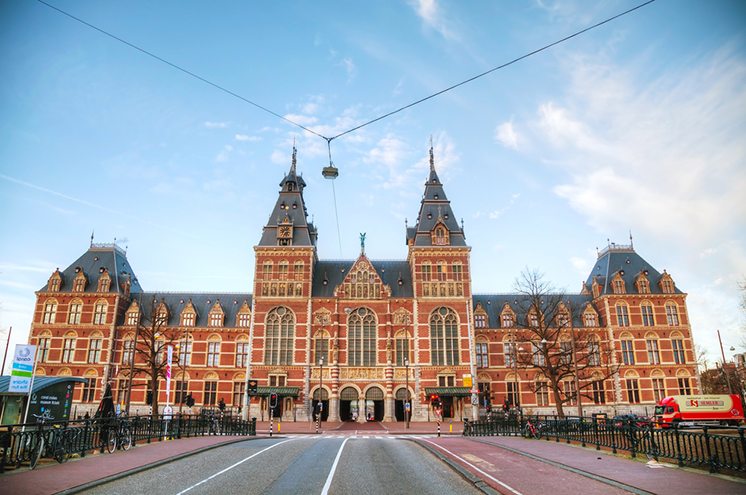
x,y
288,223
432,156
435,211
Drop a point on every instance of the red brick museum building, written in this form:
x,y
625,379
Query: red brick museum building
x,y
361,335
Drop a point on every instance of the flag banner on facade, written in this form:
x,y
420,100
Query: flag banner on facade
x,y
23,369
169,360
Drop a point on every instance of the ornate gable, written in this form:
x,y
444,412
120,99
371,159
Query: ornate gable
x,y
362,282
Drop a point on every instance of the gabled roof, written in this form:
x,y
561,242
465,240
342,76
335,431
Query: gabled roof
x,y
100,258
290,208
493,305
231,303
623,260
435,208
327,275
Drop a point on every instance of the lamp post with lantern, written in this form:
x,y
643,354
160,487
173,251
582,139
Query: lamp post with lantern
x,y
319,403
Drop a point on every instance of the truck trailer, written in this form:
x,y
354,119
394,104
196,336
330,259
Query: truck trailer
x,y
699,409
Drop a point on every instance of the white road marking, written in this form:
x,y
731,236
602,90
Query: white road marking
x,y
513,490
328,483
231,467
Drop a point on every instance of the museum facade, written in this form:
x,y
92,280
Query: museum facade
x,y
354,340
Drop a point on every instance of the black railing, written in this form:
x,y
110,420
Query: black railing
x,y
18,443
714,447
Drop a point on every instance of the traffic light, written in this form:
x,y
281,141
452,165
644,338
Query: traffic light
x,y
149,397
252,387
189,400
273,400
435,400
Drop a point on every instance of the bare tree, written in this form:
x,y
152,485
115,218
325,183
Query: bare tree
x,y
568,358
153,336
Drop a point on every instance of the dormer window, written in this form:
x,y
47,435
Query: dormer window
x,y
642,283
55,281
507,318
617,284
440,235
104,281
666,284
80,281
589,318
216,319
188,318
161,315
133,318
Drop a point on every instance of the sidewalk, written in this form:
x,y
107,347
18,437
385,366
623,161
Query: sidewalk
x,y
489,454
51,477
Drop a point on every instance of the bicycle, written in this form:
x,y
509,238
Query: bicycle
x,y
35,443
532,430
119,436
64,444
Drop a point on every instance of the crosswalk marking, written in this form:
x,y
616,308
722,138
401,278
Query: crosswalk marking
x,y
370,437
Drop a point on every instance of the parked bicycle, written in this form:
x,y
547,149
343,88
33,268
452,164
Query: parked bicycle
x,y
65,443
532,429
35,441
120,436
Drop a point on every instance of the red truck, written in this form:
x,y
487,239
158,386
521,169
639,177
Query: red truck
x,y
691,409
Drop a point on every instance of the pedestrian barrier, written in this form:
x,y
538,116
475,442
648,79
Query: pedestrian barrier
x,y
714,447
19,444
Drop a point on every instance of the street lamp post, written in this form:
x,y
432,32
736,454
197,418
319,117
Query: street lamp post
x,y
725,372
319,403
408,405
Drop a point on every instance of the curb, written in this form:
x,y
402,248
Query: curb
x,y
478,483
92,484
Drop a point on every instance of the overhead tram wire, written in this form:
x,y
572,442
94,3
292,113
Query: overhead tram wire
x,y
364,124
352,129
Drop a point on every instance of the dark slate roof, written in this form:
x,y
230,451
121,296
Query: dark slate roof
x,y
203,302
290,207
435,208
493,305
327,275
616,258
100,256
40,382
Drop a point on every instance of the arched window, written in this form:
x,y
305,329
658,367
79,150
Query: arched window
x,y
76,309
646,309
321,347
444,336
672,314
99,313
68,347
280,334
401,344
50,311
213,350
622,315
362,337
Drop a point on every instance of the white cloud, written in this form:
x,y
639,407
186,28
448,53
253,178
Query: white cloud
x,y
305,120
431,15
224,154
506,134
247,138
663,156
349,67
216,125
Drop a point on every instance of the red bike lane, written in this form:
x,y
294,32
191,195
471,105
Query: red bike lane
x,y
517,466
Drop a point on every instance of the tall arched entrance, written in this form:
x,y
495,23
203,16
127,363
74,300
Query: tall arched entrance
x,y
401,399
348,404
320,401
374,404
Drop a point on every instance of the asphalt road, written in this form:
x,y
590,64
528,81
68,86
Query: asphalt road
x,y
310,465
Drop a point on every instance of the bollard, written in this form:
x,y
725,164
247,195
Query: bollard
x,y
271,425
450,428
279,427
439,428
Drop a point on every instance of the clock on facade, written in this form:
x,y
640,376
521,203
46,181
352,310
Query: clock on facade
x,y
285,231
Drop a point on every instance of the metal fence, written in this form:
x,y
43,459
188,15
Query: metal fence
x,y
18,443
714,447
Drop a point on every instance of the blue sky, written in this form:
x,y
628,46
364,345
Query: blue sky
x,y
638,125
